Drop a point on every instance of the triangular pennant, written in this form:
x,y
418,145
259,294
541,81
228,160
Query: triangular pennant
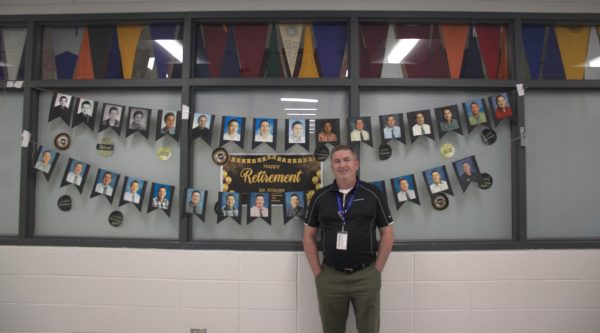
x,y
405,189
273,67
503,65
533,44
294,206
162,198
573,42
427,58
373,41
65,65
553,67
14,44
133,192
46,159
75,174
195,202
472,67
161,33
391,70
48,64
128,38
105,184
592,69
291,35
251,40
66,43
330,42
143,63
84,69
296,132
455,42
215,37
308,65
230,67
264,130
100,41
114,68
437,180
259,206
201,58
488,37
229,205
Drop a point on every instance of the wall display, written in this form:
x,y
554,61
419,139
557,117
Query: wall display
x,y
392,127
169,124
162,197
296,132
229,206
138,120
259,206
467,171
195,202
220,156
448,120
61,107
294,206
264,130
419,123
62,141
133,192
274,174
476,114
437,180
85,112
501,106
105,184
233,130
359,130
75,174
112,117
405,189
46,159
327,131
202,126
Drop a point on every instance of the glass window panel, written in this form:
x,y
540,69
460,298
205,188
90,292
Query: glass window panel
x,y
12,44
133,156
562,159
253,104
272,50
473,215
120,51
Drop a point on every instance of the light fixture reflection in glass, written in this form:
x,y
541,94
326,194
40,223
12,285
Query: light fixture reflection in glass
x,y
150,63
301,114
594,62
173,46
401,50
302,100
300,109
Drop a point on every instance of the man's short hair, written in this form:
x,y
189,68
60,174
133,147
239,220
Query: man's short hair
x,y
295,195
168,114
107,173
296,123
265,121
138,112
62,97
344,147
135,181
231,121
259,195
230,195
86,102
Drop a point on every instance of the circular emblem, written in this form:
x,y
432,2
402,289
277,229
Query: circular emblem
x,y
65,203
447,150
488,136
439,201
486,181
220,156
62,141
115,218
164,153
385,151
321,153
105,147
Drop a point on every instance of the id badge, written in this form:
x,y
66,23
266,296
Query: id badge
x,y
342,240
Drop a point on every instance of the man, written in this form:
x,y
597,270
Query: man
x,y
264,132
297,133
132,195
74,177
104,187
230,209
137,123
112,119
347,213
232,131
160,200
169,122
437,184
194,205
62,107
405,192
294,208
420,128
502,110
359,133
45,163
327,134
259,209
86,108
468,175
476,117
202,129
391,130
449,123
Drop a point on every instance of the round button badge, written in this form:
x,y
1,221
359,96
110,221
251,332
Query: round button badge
x,y
62,141
439,201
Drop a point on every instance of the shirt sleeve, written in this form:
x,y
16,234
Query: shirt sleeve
x,y
384,217
312,213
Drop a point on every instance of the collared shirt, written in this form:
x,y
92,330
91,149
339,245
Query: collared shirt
x,y
447,127
478,119
231,212
164,204
327,137
391,132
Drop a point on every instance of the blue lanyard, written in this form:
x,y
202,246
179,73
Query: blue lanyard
x,y
341,211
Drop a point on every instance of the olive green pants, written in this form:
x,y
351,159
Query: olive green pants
x,y
336,290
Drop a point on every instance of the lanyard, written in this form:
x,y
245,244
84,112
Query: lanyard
x,y
341,211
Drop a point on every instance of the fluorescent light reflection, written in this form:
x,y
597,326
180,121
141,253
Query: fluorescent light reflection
x,y
401,50
300,109
150,63
173,46
594,62
301,114
302,100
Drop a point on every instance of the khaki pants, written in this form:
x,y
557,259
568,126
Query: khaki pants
x,y
336,290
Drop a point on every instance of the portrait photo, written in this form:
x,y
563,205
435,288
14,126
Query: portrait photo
x,y
294,205
467,171
133,191
327,131
105,183
264,129
232,128
195,201
501,106
75,173
201,126
229,203
60,107
360,129
405,189
447,120
420,124
45,160
391,126
112,116
476,113
138,119
85,112
168,122
437,180
259,205
162,197
296,130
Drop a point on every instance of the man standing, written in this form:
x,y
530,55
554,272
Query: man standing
x,y
347,213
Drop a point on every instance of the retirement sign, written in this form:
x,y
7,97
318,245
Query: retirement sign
x,y
275,174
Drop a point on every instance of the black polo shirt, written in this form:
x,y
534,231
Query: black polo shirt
x,y
368,212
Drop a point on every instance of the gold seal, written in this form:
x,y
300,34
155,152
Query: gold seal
x,y
447,150
163,153
105,147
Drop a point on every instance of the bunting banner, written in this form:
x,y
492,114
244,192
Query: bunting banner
x,y
291,35
330,41
128,37
161,33
195,202
14,44
454,37
138,120
105,184
552,63
75,174
144,62
46,159
405,189
533,44
229,206
133,192
308,65
169,124
373,41
360,130
472,67
392,126
476,114
251,40
427,58
489,38
84,69
85,112
66,43
202,125
327,131
501,106
294,206
572,43
259,206
296,132
230,66
274,63
264,130
467,171
389,69
112,117
162,198
215,37
202,63
100,42
437,180
448,120
114,67
420,124
61,107
233,130
593,52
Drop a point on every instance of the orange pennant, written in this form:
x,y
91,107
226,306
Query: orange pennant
x,y
454,37
84,70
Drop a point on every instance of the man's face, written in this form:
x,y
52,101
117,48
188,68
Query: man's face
x,y
501,102
230,201
86,108
162,192
447,115
233,127
260,201
390,121
46,157
170,122
138,118
202,122
294,201
344,165
133,187
327,127
420,119
297,130
359,124
195,198
107,179
264,128
467,168
113,113
404,185
475,109
63,101
435,176
78,168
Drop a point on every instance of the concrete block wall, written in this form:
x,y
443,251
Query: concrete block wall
x,y
67,289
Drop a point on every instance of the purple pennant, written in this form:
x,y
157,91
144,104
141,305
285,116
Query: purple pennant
x,y
553,66
472,67
114,68
331,45
230,67
533,44
100,42
65,65
163,57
